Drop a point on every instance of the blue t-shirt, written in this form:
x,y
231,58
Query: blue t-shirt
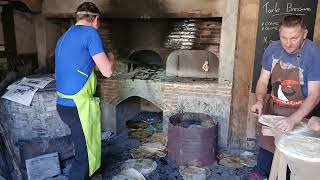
x,y
309,63
74,63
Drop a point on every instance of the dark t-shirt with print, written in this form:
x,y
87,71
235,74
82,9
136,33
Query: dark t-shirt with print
x,y
309,63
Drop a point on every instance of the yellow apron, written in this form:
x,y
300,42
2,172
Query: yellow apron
x,y
90,116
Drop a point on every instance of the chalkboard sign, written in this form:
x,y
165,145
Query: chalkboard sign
x,y
271,12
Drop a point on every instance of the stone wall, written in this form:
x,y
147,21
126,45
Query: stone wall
x,y
39,120
25,33
172,97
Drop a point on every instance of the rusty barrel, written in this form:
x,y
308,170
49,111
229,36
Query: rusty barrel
x,y
192,139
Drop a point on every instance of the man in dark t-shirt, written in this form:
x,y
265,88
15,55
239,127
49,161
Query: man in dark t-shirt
x,y
292,64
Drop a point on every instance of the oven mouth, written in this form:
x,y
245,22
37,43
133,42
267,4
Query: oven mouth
x,y
146,58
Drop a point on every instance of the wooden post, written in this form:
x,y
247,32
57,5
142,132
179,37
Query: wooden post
x,y
9,35
11,153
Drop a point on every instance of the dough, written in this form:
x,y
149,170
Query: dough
x,y
269,120
301,147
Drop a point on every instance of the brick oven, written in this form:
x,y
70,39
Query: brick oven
x,y
161,64
171,57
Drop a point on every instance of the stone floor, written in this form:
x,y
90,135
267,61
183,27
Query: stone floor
x,y
116,151
229,165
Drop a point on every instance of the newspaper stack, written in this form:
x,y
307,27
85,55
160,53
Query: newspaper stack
x,y
23,91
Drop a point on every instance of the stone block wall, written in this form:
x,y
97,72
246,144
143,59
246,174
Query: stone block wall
x,y
39,120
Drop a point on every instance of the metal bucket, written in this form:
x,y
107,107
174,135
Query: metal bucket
x,y
192,139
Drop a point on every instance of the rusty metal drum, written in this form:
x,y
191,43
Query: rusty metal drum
x,y
192,139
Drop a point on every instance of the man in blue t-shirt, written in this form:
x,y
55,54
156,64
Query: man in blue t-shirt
x,y
292,64
77,51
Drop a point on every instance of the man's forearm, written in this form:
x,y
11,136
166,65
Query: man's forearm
x,y
261,91
110,57
305,109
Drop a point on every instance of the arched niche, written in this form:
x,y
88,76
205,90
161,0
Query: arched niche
x,y
146,57
130,109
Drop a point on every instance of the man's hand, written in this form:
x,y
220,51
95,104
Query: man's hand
x,y
286,124
257,108
307,106
314,123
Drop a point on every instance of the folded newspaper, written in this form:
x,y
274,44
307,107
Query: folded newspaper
x,y
22,91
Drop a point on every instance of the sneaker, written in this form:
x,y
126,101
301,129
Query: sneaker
x,y
255,175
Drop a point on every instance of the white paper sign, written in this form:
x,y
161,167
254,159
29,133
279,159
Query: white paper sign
x,y
22,91
21,94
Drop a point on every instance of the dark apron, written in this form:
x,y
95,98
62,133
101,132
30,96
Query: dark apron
x,y
286,97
